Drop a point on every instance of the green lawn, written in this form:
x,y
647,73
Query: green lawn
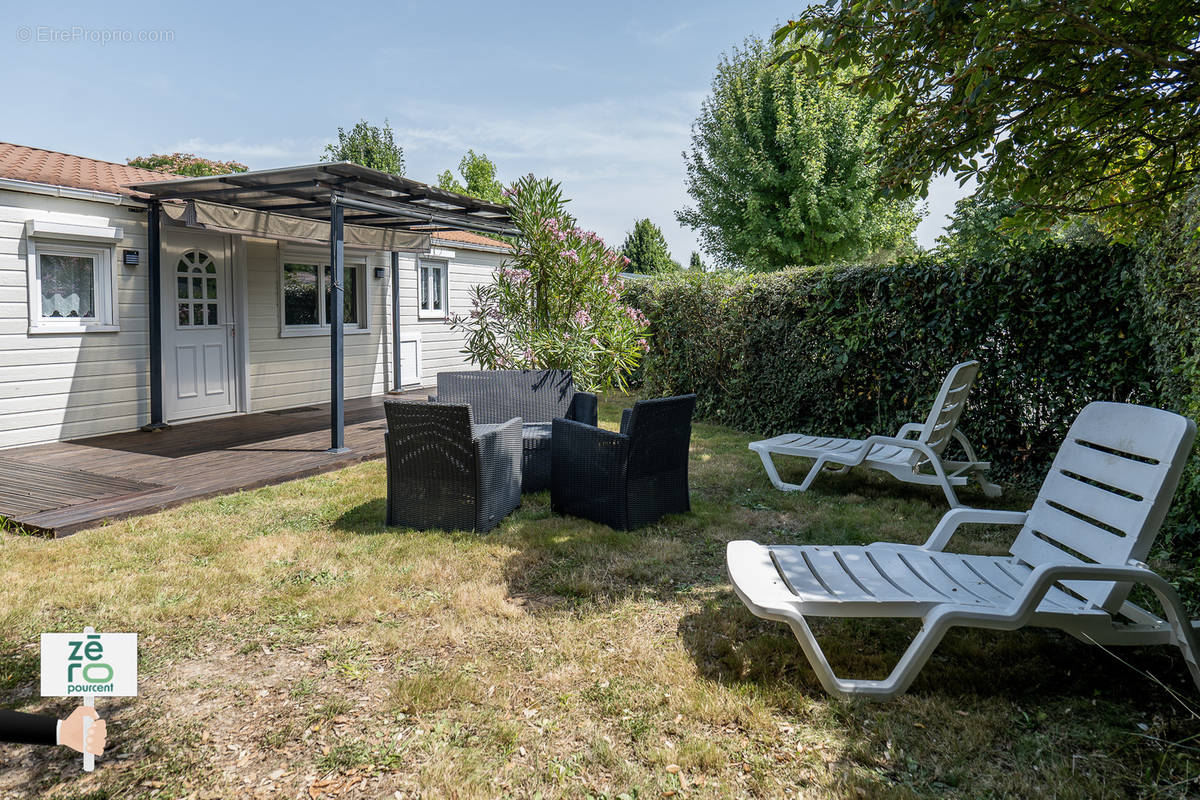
x,y
291,645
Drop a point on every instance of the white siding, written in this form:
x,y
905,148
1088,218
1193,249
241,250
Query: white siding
x,y
441,347
287,371
69,385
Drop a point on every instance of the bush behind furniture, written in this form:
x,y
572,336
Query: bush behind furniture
x,y
850,350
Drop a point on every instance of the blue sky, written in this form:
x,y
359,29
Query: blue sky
x,y
600,96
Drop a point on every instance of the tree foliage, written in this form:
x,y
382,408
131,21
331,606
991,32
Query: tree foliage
x,y
646,250
556,303
478,178
696,263
369,146
186,164
781,169
1065,106
986,228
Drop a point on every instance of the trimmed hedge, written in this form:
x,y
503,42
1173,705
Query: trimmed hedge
x,y
1171,301
852,350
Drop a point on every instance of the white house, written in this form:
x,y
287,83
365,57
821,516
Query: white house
x,y
236,318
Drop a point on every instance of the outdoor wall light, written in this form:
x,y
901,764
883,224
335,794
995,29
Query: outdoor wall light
x,y
380,272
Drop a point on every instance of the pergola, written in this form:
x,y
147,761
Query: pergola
x,y
378,210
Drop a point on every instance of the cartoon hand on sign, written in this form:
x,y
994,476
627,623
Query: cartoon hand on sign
x,y
21,728
87,666
71,732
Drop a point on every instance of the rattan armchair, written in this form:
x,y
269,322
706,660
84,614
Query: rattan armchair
x,y
627,479
536,396
443,472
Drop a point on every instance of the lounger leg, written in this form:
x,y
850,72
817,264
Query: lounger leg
x,y
1181,626
951,497
989,489
773,474
896,683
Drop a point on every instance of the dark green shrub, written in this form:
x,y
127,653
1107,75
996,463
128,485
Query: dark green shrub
x,y
852,350
1171,301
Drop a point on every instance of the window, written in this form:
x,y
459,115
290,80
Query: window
x,y
433,289
70,288
307,286
196,291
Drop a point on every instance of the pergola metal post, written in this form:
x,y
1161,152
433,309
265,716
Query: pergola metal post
x,y
154,308
337,411
395,320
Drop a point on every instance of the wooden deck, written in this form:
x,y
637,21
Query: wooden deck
x,y
64,487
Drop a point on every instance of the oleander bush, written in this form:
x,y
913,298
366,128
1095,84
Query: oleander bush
x,y
556,302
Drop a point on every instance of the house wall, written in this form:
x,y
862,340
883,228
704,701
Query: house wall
x,y
287,370
56,386
441,347
70,385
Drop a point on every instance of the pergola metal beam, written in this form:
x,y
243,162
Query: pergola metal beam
x,y
396,321
424,214
154,307
337,366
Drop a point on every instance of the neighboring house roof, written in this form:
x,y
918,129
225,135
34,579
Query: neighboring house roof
x,y
469,238
33,164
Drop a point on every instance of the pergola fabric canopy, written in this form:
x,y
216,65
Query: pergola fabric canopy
x,y
368,197
273,225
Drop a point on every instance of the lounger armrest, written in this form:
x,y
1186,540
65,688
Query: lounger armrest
x,y
584,408
1046,576
909,428
961,438
911,444
956,517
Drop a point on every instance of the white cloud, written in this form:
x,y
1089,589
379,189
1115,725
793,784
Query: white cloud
x,y
260,155
617,161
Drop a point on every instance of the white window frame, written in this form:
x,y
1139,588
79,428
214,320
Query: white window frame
x,y
321,262
432,313
104,303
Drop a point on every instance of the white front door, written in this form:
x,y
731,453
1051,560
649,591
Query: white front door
x,y
197,337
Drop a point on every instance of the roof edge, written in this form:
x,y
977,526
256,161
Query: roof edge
x,y
72,192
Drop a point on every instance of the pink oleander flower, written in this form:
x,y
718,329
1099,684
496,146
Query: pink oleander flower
x,y
529,354
642,343
583,318
571,255
625,260
595,342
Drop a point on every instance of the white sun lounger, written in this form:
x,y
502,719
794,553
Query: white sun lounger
x,y
1071,566
916,460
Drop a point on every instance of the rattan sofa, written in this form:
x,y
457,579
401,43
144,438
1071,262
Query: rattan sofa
x,y
627,479
536,396
443,472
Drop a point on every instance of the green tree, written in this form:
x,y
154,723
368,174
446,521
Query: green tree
x,y
646,250
186,164
695,262
986,228
369,146
478,178
1065,106
781,172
